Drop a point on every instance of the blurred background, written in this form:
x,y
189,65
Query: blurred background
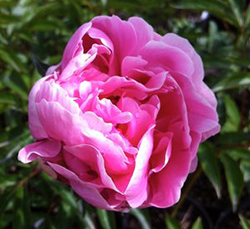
x,y
33,35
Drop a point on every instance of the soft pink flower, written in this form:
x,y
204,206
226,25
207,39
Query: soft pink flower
x,y
120,118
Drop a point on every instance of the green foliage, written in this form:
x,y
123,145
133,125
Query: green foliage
x,y
197,224
172,223
142,216
244,222
234,179
210,165
106,218
232,123
33,35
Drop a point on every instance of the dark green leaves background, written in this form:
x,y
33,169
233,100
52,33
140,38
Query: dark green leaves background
x,y
33,35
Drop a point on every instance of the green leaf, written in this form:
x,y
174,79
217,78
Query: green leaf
x,y
5,3
142,217
9,59
238,61
5,199
197,224
232,138
104,2
89,222
17,143
236,7
233,115
217,8
117,4
17,84
6,19
244,222
245,168
213,34
172,223
235,81
48,224
37,12
7,98
209,164
6,221
21,208
234,179
43,25
69,198
247,19
238,154
107,218
65,216
7,181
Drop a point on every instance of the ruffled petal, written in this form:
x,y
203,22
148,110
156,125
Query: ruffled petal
x,y
44,149
202,115
170,58
165,186
131,63
59,123
91,164
184,45
161,153
144,32
121,34
109,112
74,44
137,192
88,192
37,130
52,92
143,118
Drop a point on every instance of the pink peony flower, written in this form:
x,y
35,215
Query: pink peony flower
x,y
120,118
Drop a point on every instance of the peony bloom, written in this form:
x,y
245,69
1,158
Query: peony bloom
x,y
120,118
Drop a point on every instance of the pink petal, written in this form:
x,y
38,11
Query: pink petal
x,y
140,121
194,164
91,157
136,192
42,149
161,153
196,140
99,34
77,63
202,116
96,123
74,43
87,191
131,87
130,63
72,129
175,119
165,186
208,94
59,123
159,54
183,44
110,113
198,74
157,37
35,126
52,92
121,34
144,32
